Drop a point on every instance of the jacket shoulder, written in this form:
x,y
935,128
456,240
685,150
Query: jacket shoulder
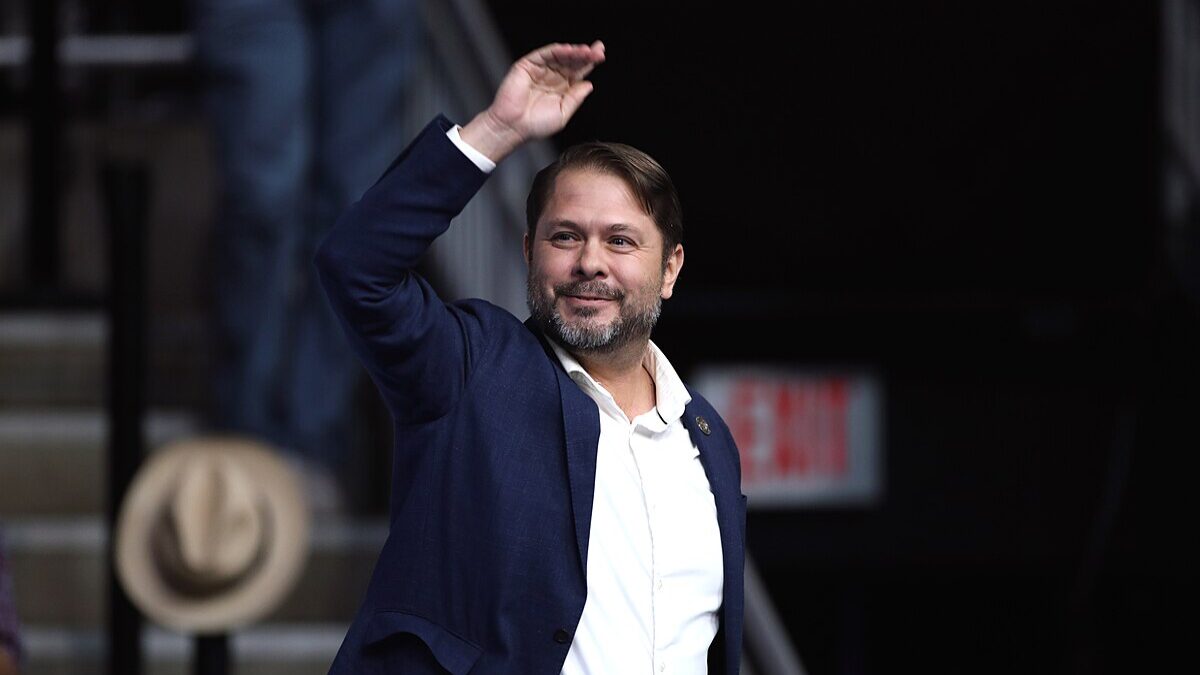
x,y
700,406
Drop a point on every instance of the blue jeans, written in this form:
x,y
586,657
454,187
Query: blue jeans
x,y
306,100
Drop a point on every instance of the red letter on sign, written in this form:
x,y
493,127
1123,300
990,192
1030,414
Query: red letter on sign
x,y
741,424
791,419
839,419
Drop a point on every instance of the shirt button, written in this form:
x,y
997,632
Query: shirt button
x,y
562,637
660,584
662,667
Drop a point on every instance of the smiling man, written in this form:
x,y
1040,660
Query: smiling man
x,y
561,502
599,263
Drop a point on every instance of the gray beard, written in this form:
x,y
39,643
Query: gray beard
x,y
632,323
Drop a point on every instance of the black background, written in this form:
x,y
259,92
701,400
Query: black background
x,y
963,198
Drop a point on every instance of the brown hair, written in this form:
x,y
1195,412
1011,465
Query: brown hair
x,y
645,177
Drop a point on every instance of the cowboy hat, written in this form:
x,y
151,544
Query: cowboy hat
x,y
211,535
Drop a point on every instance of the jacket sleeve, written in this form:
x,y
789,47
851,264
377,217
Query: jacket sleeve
x,y
417,349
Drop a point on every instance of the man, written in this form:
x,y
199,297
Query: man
x,y
561,502
305,98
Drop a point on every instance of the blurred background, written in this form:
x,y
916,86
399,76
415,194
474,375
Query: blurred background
x,y
942,279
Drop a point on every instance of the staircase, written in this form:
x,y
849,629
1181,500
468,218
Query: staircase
x,y
53,433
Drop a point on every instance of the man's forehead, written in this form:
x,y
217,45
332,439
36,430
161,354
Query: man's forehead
x,y
587,175
586,187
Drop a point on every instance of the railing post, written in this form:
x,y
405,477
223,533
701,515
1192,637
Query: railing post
x,y
43,115
127,196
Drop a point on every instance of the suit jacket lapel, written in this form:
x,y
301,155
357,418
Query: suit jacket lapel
x,y
717,460
722,478
581,422
581,428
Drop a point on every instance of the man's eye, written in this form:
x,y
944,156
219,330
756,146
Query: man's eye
x,y
562,236
620,241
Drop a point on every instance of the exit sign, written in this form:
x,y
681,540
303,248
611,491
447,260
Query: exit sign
x,y
806,438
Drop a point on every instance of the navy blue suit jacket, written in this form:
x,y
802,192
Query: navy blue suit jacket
x,y
494,466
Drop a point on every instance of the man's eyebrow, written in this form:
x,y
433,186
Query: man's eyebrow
x,y
572,225
562,223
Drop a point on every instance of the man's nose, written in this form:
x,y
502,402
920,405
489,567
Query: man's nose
x,y
591,262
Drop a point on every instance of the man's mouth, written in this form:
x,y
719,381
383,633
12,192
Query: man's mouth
x,y
585,295
586,301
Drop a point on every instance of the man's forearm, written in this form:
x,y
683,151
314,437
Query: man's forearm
x,y
396,324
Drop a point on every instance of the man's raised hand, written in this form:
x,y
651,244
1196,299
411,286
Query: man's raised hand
x,y
538,96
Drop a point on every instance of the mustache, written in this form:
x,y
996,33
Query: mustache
x,y
591,289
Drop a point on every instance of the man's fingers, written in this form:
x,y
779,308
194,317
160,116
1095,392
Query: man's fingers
x,y
584,71
569,57
575,96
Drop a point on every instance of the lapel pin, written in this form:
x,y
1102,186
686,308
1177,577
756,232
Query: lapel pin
x,y
703,424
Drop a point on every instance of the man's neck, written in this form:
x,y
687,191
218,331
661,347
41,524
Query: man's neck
x,y
623,373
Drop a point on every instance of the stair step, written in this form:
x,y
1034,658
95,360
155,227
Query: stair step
x,y
59,570
61,359
265,649
48,358
66,449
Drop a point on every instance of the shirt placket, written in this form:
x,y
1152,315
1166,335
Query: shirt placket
x,y
639,446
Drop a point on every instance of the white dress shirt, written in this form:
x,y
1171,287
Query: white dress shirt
x,y
654,568
654,573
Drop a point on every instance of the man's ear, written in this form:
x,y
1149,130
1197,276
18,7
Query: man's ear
x,y
671,272
525,246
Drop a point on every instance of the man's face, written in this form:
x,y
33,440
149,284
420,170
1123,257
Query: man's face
x,y
596,274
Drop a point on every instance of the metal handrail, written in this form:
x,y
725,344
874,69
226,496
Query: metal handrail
x,y
118,51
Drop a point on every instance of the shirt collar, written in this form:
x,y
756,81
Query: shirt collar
x,y
671,396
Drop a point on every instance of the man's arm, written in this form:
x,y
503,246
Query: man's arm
x,y
417,348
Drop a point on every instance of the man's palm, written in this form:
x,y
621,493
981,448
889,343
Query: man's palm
x,y
543,90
